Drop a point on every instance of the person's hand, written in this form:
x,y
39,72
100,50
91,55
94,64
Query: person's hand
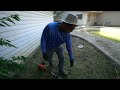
x,y
71,63
45,56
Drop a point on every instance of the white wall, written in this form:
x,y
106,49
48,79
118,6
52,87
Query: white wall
x,y
113,16
84,18
92,19
25,34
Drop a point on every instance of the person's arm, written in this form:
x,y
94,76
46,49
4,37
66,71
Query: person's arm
x,y
43,40
69,47
43,44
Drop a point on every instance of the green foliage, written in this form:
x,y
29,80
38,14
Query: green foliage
x,y
9,18
8,66
3,23
6,42
19,58
15,58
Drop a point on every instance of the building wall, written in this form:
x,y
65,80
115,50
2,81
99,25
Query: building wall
x,y
100,18
113,16
25,34
84,22
92,19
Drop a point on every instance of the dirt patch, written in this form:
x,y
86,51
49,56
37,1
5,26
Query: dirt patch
x,y
90,63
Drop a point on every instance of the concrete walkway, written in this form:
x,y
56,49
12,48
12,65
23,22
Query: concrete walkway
x,y
108,47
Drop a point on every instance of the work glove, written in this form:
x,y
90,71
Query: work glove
x,y
45,56
71,63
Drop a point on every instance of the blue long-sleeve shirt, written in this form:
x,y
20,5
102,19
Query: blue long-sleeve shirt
x,y
53,37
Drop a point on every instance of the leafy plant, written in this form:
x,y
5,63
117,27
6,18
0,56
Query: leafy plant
x,y
9,18
8,66
6,42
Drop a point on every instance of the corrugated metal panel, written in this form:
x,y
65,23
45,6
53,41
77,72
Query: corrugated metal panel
x,y
25,34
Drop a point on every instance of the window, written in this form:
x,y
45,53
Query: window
x,y
79,16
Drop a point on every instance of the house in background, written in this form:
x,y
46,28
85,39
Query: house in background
x,y
25,34
109,18
93,18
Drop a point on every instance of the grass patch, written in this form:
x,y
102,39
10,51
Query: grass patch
x,y
90,63
97,34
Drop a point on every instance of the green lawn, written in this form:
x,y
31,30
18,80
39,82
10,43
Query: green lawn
x,y
90,63
96,32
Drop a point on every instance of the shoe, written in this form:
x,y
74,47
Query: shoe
x,y
63,73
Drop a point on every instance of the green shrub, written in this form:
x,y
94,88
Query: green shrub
x,y
9,67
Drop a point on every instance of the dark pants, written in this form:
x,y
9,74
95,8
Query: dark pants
x,y
59,52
